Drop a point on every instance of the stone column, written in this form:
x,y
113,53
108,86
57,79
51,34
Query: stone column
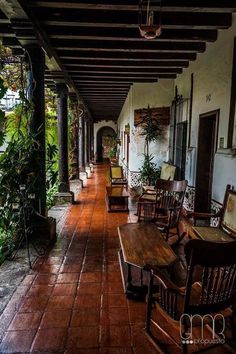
x,y
37,126
81,144
92,141
88,143
64,194
74,137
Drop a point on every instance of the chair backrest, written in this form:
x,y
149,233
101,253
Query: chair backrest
x,y
146,212
214,264
170,194
167,171
116,172
169,200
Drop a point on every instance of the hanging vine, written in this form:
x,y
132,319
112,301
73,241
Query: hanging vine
x,y
74,116
23,151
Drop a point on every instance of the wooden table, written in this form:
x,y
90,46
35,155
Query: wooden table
x,y
142,245
117,198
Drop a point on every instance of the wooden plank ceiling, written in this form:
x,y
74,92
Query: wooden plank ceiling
x,y
100,49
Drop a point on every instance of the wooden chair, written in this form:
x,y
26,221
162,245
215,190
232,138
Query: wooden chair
x,y
166,208
167,173
225,229
210,290
117,176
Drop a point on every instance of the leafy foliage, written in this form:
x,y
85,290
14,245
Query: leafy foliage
x,y
22,154
152,131
149,172
16,166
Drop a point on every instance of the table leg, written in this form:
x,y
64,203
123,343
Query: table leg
x,y
129,277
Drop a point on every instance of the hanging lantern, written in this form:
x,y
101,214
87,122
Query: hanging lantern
x,y
147,28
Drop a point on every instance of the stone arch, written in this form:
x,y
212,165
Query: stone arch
x,y
104,131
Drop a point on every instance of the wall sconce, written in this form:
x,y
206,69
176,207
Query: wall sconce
x,y
127,128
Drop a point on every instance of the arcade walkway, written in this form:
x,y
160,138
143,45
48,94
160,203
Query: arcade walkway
x,y
73,301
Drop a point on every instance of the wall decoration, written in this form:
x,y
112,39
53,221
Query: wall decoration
x,y
160,114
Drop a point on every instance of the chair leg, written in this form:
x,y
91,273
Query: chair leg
x,y
149,306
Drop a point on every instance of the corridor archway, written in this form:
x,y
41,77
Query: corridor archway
x,y
105,137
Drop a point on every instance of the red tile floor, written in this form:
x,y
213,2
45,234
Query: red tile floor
x,y
73,300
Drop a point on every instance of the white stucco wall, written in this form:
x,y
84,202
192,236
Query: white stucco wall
x,y
101,124
212,89
140,96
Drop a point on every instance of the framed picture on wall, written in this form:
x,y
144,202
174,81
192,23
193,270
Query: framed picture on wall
x,y
160,114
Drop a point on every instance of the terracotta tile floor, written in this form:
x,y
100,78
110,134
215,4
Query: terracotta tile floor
x,y
73,300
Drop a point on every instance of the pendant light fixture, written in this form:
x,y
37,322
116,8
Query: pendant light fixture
x,y
147,28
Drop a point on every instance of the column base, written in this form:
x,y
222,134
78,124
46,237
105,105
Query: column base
x,y
88,171
91,165
64,198
83,176
44,229
76,185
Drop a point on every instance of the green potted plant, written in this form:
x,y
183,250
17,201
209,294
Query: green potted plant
x,y
149,172
152,131
112,152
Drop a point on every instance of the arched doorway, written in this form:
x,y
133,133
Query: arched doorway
x,y
105,139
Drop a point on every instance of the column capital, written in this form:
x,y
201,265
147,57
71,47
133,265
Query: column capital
x,y
61,89
36,54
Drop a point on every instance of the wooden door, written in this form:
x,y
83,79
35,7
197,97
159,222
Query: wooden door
x,y
207,137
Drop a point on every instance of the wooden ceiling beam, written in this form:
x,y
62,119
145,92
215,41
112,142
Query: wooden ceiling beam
x,y
124,76
5,30
118,80
98,86
104,18
99,93
132,5
103,98
3,18
105,93
11,42
116,46
120,71
128,34
106,100
124,56
116,64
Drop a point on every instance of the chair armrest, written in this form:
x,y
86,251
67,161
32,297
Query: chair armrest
x,y
165,282
197,215
147,194
146,203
